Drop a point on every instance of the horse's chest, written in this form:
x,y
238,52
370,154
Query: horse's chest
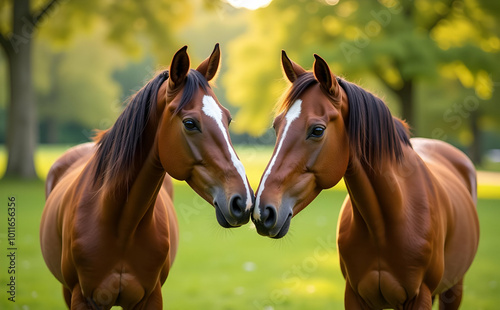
x,y
113,274
98,253
382,277
381,289
383,272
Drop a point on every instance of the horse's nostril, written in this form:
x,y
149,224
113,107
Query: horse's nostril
x,y
269,216
237,206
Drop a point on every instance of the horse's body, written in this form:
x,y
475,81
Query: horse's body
x,y
410,232
87,250
109,232
408,229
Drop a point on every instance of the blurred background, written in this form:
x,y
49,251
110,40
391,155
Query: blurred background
x,y
68,66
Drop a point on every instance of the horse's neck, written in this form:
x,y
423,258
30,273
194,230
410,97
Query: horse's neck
x,y
376,196
129,204
141,197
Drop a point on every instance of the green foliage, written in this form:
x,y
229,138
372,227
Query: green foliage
x,y
80,44
253,93
450,48
5,15
64,87
392,41
135,26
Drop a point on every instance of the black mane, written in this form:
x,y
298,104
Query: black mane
x,y
373,132
118,146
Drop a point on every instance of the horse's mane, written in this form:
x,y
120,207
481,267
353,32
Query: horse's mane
x,y
374,134
118,146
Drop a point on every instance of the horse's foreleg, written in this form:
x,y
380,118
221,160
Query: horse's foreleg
x,y
67,296
78,302
351,300
423,301
155,300
450,299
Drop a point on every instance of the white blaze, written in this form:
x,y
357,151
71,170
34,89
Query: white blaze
x,y
212,109
292,114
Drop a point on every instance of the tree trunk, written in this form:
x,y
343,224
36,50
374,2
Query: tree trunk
x,y
405,95
21,124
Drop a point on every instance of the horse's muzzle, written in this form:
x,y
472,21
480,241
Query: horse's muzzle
x,y
273,222
233,213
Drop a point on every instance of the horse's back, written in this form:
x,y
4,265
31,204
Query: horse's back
x,y
456,176
65,162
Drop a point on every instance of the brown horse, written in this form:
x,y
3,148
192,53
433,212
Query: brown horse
x,y
408,229
109,232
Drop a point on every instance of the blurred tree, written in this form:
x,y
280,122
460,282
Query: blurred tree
x,y
83,96
399,42
130,24
253,79
4,86
21,127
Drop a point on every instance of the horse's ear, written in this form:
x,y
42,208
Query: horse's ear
x,y
324,76
179,67
210,65
292,70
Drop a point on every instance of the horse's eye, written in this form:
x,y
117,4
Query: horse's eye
x,y
317,132
190,125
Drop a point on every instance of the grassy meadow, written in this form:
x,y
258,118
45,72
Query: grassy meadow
x,y
220,268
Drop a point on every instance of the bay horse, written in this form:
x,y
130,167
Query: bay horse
x,y
408,229
108,231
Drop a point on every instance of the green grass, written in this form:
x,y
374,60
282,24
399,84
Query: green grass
x,y
236,269
218,268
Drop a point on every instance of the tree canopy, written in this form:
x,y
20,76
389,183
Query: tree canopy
x,y
134,26
435,63
387,44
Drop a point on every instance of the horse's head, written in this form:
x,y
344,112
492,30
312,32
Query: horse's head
x,y
194,143
312,149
